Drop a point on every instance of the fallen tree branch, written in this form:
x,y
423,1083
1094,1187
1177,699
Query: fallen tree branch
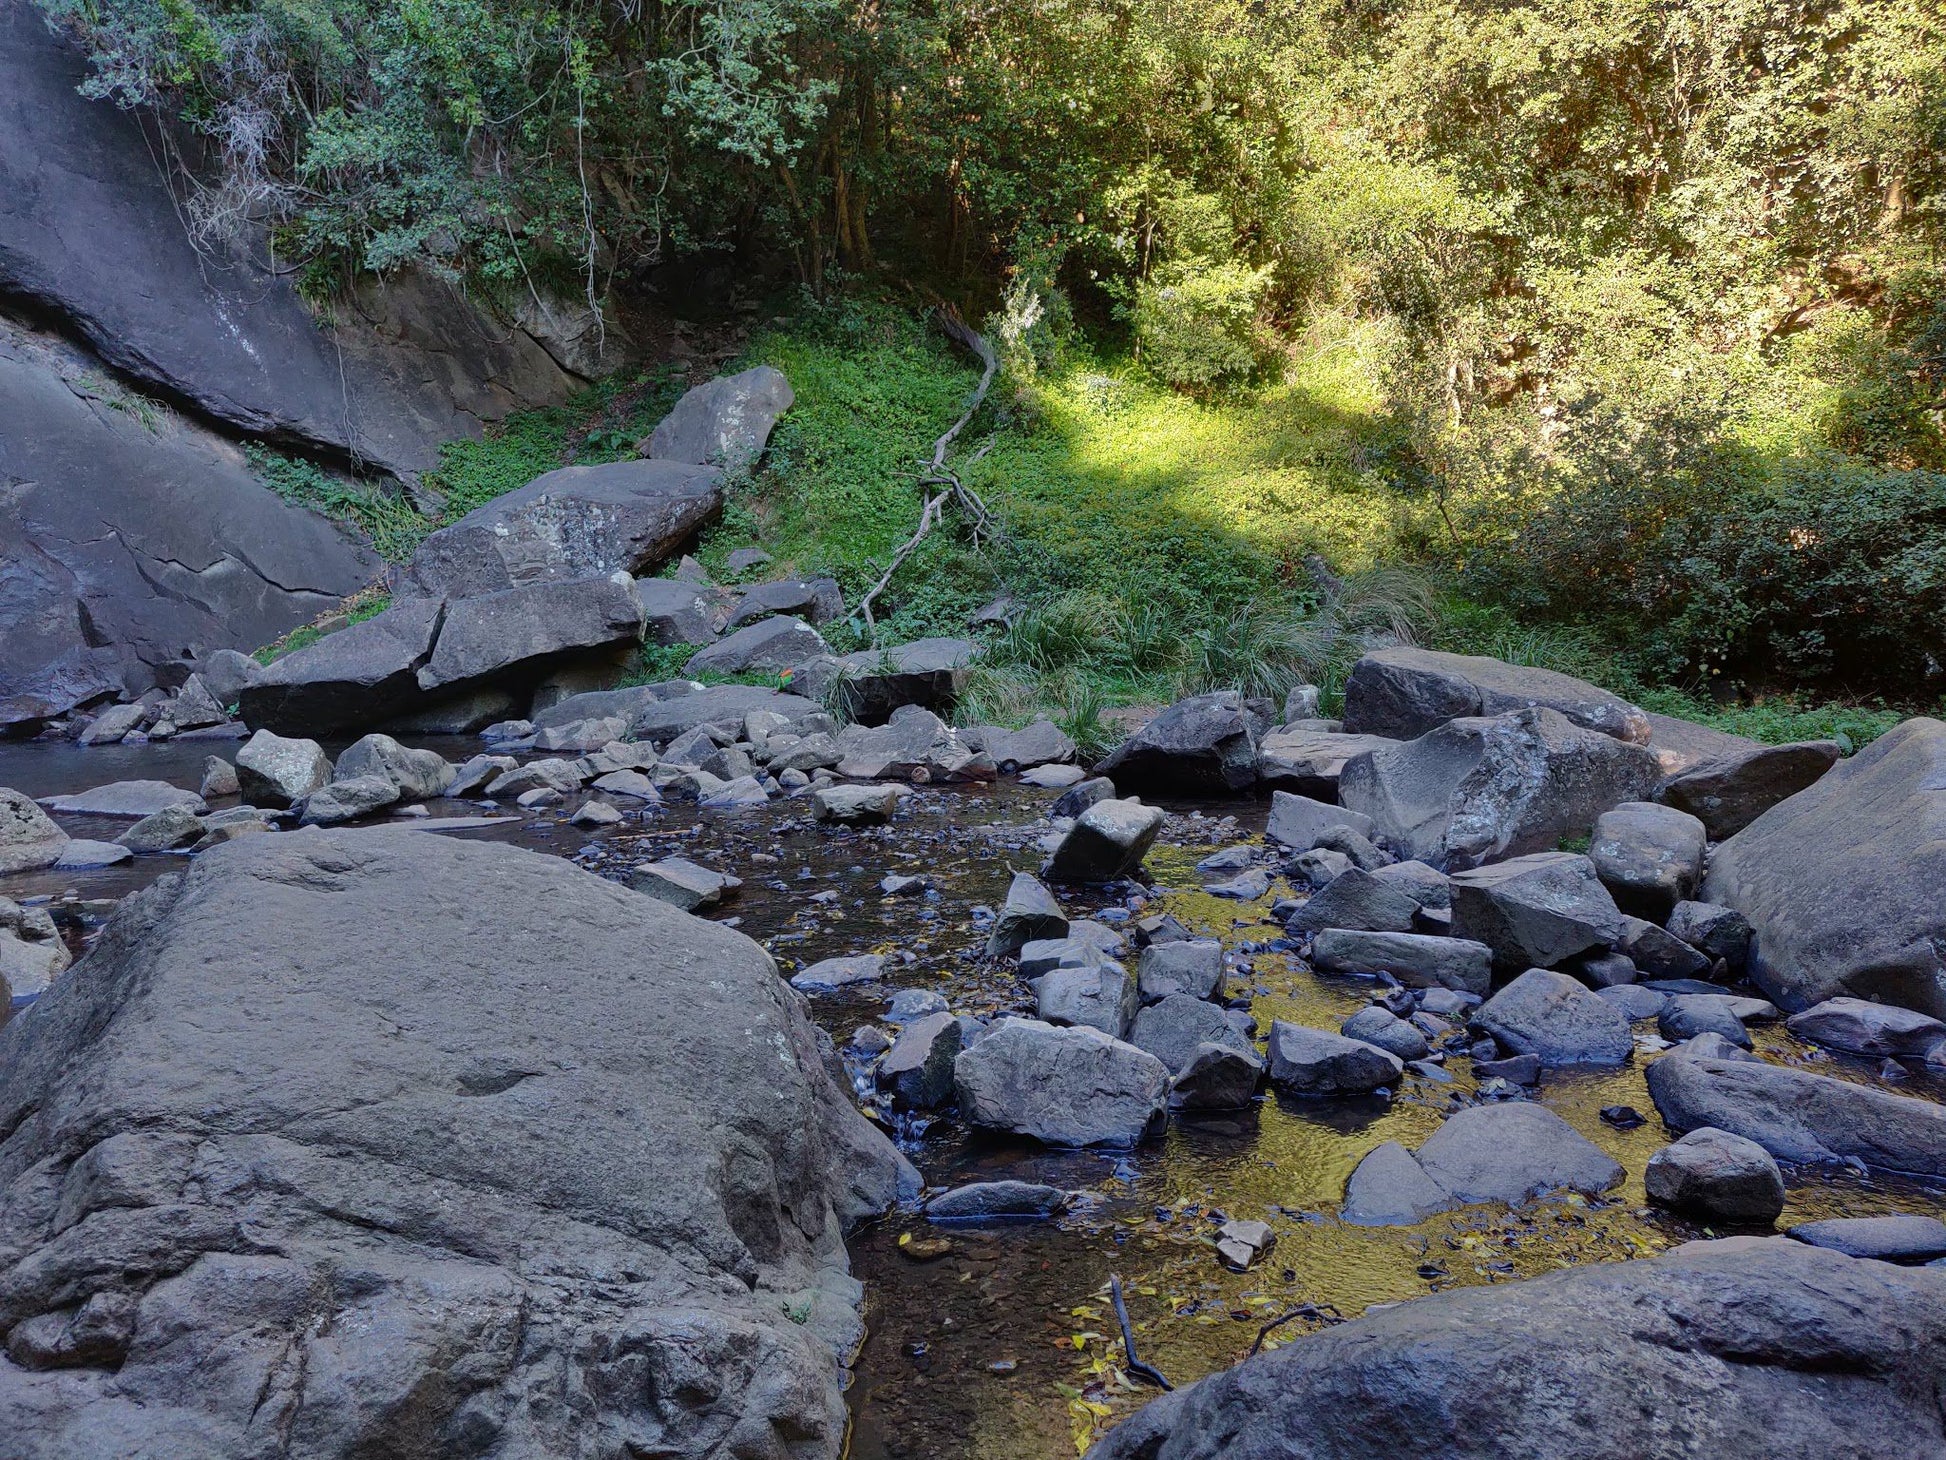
x,y
1136,1368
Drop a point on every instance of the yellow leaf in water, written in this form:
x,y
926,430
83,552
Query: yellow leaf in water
x,y
905,1239
1079,1340
1146,1292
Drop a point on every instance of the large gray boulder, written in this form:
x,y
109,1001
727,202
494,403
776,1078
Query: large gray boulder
x,y
1473,790
1404,692
418,775
1309,1061
1417,960
1206,744
1513,1150
1731,791
928,673
516,635
769,645
677,612
1310,762
1297,820
1798,1116
914,745
31,952
1841,882
1107,841
1064,1087
1536,911
273,770
1883,1031
29,839
1173,1028
1742,1348
1719,1177
357,676
131,799
817,600
575,522
328,1086
1359,901
723,422
1557,1020
1649,857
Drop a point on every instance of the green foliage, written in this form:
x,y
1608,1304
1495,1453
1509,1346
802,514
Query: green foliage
x,y
354,610
392,524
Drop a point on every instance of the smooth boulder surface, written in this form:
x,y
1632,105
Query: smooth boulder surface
x,y
723,422
1514,1150
1478,789
1389,1188
574,522
518,634
1029,914
1558,1020
29,839
1908,1237
362,674
1310,1061
1417,960
1064,1087
1739,1348
1360,901
1106,842
817,600
1717,1176
403,1213
1174,1028
1841,883
1882,1030
1206,744
1536,911
1729,792
130,799
770,644
1649,857
1404,692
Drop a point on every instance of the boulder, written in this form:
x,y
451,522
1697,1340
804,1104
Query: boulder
x,y
1309,1061
928,673
1717,932
226,673
1389,1188
1798,1116
418,775
1373,1025
856,805
1204,745
517,634
817,600
1536,911
31,952
990,1200
1192,966
1080,796
1064,1087
1682,745
1658,953
828,974
766,646
167,830
1717,1177
720,706
1042,743
1220,1076
1174,1028
914,745
675,612
683,883
575,522
1416,960
1057,778
112,724
1429,887
1097,996
1556,1019
1840,883
1635,1002
275,771
1908,1237
1475,790
1883,1031
358,676
84,854
1298,821
552,774
1649,857
29,839
262,1163
1511,1151
1731,791
348,800
1735,1348
1029,913
1357,900
1404,692
194,707
918,1070
1310,762
723,422
130,799
1686,1016
1107,841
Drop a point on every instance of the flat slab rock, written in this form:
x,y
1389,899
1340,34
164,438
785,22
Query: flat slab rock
x,y
414,1125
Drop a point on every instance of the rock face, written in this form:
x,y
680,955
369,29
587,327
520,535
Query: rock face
x,y
1841,882
576,522
1066,1087
231,1194
1474,790
723,422
1736,1348
1205,744
1730,791
357,676
1405,692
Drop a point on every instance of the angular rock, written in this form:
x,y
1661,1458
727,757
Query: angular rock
x,y
856,805
1389,1188
1357,900
419,775
576,522
552,774
112,724
1174,1028
675,612
1635,1002
595,814
1101,996
1417,960
1404,692
1059,778
194,707
80,854
29,839
1906,1238
1511,1151
837,973
816,600
1192,966
1309,1061
219,779
766,646
1536,911
928,673
225,672
1064,1087
913,745
1107,842
1718,1177
582,735
1039,744
1882,1030
31,952
1220,1076
1310,762
1685,1016
1298,821
1649,857
1714,931
738,795
357,676
1556,1019
1840,883
1475,790
723,422
1206,744
918,1069
683,884
1730,792
348,800
1659,953
167,830
1080,796
1428,886
1029,913
523,631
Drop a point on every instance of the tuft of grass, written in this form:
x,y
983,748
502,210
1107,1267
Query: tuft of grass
x,y
367,603
393,526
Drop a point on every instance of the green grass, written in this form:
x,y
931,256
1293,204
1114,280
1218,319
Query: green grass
x,y
354,610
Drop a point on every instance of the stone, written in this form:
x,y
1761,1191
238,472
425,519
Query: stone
x,y
576,522
828,974
1405,692
1426,885
675,612
29,839
447,1150
1203,745
927,673
1682,745
816,600
723,422
1556,1019
856,805
582,735
918,1069
1098,996
225,672
130,799
684,884
1373,1025
913,745
1634,1002
1175,1027
1217,1076
194,707
1240,1243
1536,911
768,645
1718,1177
1301,703
360,675
1244,887
983,1201
1908,1238
1717,932
1512,1151
746,560
112,724
1107,842
1316,868
1063,1087
1840,883
1059,778
1354,847
31,952
1389,1188
1044,955
347,800
1730,792
1080,796
1308,1061
1298,821
78,854
632,784
1310,762
1029,913
1858,1027
418,775
738,795
1192,966
1042,743
219,779
594,815
167,830
1357,900
808,753
1735,1348
523,631
1416,960
1798,1116
1649,857
1685,1016
1477,789
1658,953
